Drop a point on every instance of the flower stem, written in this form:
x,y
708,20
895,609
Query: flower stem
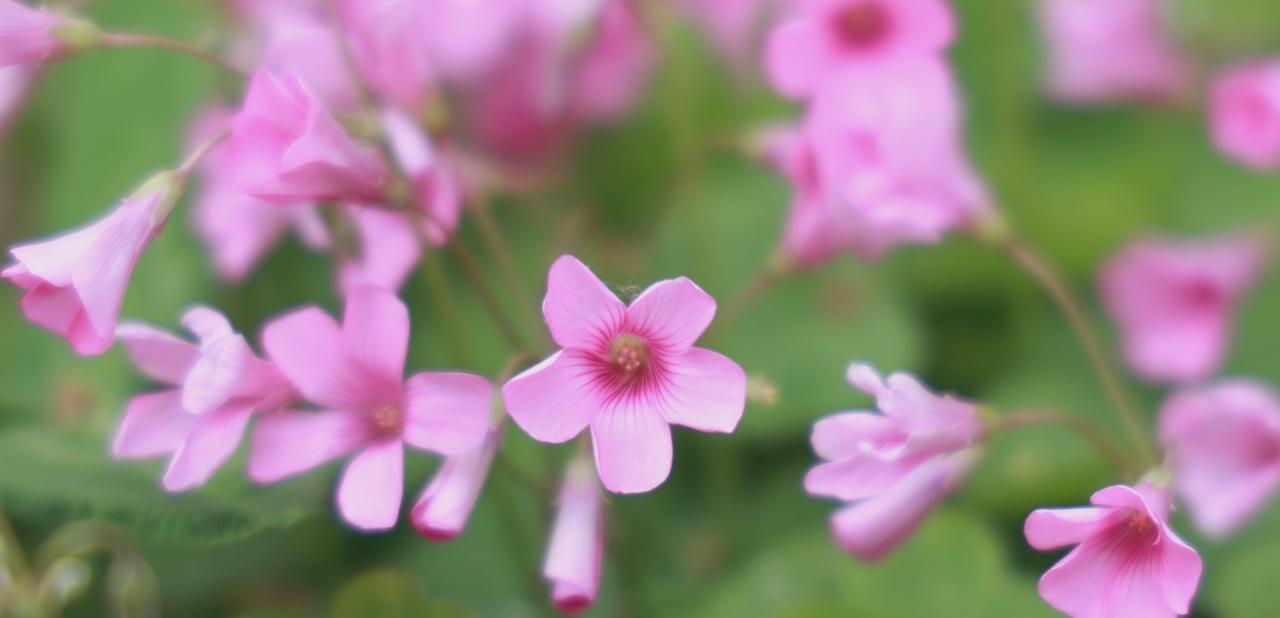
x,y
495,242
1091,433
471,268
1029,260
438,287
121,39
202,151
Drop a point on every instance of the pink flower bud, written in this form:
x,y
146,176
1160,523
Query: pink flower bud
x,y
576,549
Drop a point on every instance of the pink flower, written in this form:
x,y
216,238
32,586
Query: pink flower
x,y
301,43
290,149
1127,561
1245,114
27,34
76,282
1108,50
613,70
389,48
731,25
445,505
879,162
1174,301
826,36
354,373
236,228
219,384
388,250
435,186
576,549
1224,444
468,38
895,466
628,372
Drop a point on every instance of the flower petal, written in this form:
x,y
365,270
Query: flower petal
x,y
795,57
554,400
157,354
1181,572
632,444
442,510
375,331
580,311
370,490
844,434
671,314
860,475
288,442
1053,528
154,424
306,345
447,413
212,440
704,391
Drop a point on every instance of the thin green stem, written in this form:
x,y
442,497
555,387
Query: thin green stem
x,y
495,242
471,268
122,39
1044,274
1090,432
434,276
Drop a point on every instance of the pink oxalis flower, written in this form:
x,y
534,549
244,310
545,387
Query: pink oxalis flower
x,y
75,283
27,35
825,37
628,372
1224,444
576,548
1244,113
389,47
441,512
1174,301
1127,561
354,372
1107,50
893,467
219,384
291,150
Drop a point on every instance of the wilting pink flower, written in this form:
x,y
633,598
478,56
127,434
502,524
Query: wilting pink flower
x,y
1245,114
238,229
1174,301
613,70
219,384
389,48
628,372
445,505
290,149
1224,445
826,36
435,186
879,162
301,43
27,34
895,466
75,283
1108,50
354,372
576,549
1126,561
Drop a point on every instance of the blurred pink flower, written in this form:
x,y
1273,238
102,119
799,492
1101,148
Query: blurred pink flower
x,y
1245,114
27,34
613,70
290,149
15,84
238,229
1224,444
895,466
1126,561
442,511
825,36
1174,301
628,372
355,373
75,283
435,185
389,47
576,549
468,38
879,162
1108,50
731,25
388,250
301,43
220,384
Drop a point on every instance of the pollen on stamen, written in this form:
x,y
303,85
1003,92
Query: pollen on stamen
x,y
388,419
629,353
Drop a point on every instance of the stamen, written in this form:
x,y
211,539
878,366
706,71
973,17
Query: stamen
x,y
629,353
388,419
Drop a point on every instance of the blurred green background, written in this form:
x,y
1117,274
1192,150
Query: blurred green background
x,y
731,533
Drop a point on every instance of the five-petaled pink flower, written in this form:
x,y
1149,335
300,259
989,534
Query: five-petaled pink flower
x,y
576,548
1174,301
1126,561
628,372
895,466
828,36
27,34
442,510
290,149
219,384
1245,113
1102,51
1223,441
75,283
354,372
